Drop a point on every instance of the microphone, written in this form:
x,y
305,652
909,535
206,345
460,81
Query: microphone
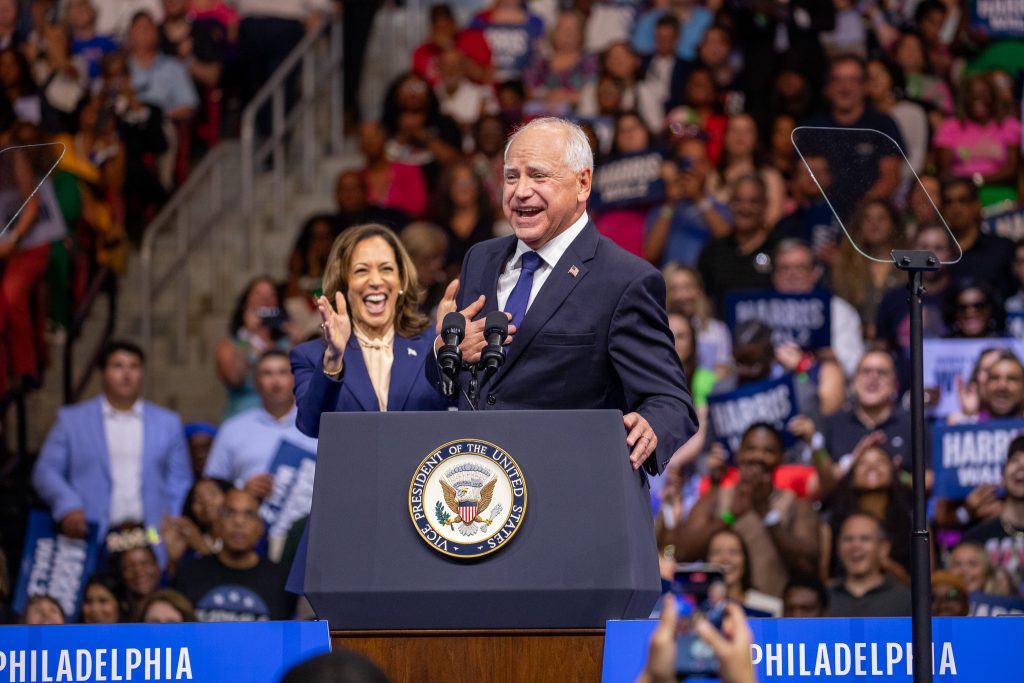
x,y
495,331
449,357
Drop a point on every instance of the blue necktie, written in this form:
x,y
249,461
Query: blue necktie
x,y
520,296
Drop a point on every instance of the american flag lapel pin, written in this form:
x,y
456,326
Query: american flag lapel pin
x,y
412,352
574,271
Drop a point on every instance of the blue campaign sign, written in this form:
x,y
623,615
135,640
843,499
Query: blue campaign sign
x,y
256,652
293,469
1008,224
988,605
1002,18
802,318
628,180
947,359
789,650
965,456
1015,324
772,401
55,565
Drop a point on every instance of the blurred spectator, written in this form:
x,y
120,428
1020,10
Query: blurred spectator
x,y
662,72
776,34
86,42
427,245
269,31
445,34
686,295
795,272
199,436
865,590
997,371
140,573
741,155
873,170
19,89
691,21
892,320
354,208
863,282
62,78
949,595
741,260
555,77
489,156
512,33
986,256
1003,537
237,584
257,325
678,230
42,610
929,18
910,55
158,79
192,534
874,408
886,94
971,563
460,98
849,37
872,487
462,209
811,219
10,31
805,597
634,162
103,599
779,530
971,309
781,154
982,142
607,22
35,221
165,606
727,549
305,272
114,17
699,114
621,65
715,53
247,443
115,458
340,666
390,184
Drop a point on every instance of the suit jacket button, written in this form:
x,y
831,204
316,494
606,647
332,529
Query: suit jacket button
x,y
491,399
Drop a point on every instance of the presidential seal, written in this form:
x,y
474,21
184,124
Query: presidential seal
x,y
467,498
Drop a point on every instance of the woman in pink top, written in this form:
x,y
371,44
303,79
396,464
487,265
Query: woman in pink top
x,y
981,143
389,184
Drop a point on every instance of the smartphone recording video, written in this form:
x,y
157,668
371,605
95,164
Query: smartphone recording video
x,y
700,591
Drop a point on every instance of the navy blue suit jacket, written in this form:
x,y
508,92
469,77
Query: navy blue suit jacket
x,y
315,393
596,339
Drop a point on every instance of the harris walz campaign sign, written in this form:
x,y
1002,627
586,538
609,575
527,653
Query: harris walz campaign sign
x,y
998,18
805,319
293,469
772,401
968,455
54,564
626,180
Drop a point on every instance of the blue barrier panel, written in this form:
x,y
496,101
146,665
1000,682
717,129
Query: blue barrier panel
x,y
965,649
254,652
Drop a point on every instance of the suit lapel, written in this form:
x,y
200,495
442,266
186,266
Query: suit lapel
x,y
357,378
99,434
403,372
556,289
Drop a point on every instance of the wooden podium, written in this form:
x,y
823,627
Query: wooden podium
x,y
495,656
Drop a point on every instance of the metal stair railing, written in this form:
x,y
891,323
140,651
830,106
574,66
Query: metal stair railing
x,y
198,210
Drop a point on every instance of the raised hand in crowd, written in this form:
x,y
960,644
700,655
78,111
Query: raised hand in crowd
x,y
983,502
74,525
260,485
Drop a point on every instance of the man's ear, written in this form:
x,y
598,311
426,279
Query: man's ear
x,y
584,181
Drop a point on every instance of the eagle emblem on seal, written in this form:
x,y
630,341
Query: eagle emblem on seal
x,y
468,497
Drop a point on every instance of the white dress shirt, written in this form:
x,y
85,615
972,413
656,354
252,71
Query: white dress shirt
x,y
549,254
123,430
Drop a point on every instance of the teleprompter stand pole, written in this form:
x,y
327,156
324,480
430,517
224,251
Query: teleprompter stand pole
x,y
915,263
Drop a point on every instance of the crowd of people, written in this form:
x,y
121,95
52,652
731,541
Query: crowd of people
x,y
689,108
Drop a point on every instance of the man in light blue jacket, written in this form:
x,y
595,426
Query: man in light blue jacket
x,y
116,458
